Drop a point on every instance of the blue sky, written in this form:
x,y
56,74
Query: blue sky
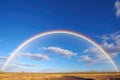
x,y
97,19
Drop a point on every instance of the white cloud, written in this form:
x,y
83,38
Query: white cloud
x,y
117,7
95,52
112,44
60,51
109,42
86,59
92,49
35,56
14,68
93,55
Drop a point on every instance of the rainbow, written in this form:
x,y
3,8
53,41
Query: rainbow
x,y
54,32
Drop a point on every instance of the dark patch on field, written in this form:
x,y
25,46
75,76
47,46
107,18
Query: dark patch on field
x,y
72,78
114,78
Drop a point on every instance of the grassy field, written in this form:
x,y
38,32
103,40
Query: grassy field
x,y
58,76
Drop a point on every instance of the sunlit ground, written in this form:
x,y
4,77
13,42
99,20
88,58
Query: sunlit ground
x,y
60,76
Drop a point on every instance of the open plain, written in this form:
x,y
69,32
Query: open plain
x,y
60,76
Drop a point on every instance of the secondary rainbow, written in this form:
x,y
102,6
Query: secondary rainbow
x,y
54,32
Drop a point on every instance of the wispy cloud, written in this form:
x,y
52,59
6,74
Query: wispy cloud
x,y
92,55
86,59
117,7
14,68
96,52
109,42
15,62
35,56
24,64
112,43
17,66
3,59
60,51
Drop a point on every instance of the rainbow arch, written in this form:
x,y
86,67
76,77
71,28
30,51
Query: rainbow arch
x,y
54,32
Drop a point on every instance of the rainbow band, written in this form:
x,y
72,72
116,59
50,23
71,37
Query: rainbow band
x,y
54,32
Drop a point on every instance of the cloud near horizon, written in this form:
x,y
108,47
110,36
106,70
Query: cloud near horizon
x,y
3,59
61,51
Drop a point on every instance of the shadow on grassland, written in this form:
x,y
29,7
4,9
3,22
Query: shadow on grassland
x,y
72,78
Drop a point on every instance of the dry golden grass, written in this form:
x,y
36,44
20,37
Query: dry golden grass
x,y
54,76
